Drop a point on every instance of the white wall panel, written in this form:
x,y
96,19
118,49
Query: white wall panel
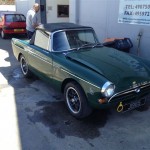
x,y
102,15
22,6
51,10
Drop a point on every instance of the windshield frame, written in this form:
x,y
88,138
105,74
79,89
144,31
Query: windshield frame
x,y
70,49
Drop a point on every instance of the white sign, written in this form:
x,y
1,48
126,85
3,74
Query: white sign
x,y
134,12
7,8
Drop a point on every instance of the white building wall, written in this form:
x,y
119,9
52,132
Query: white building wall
x,y
51,10
8,8
22,6
102,15
95,15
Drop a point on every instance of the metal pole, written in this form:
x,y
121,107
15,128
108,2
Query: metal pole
x,y
139,42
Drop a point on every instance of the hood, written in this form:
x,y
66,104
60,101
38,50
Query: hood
x,y
120,68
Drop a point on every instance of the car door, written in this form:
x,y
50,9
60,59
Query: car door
x,y
39,55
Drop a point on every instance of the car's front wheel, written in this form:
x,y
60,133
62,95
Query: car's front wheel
x,y
76,100
24,67
3,35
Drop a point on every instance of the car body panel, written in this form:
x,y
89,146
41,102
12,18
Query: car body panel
x,y
124,68
90,66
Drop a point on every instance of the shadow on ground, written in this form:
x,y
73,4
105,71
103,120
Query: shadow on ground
x,y
56,117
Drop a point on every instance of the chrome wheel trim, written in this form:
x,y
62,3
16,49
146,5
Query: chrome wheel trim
x,y
73,100
24,66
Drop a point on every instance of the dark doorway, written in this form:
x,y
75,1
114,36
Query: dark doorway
x,y
43,11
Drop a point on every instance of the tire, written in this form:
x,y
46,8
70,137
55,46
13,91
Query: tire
x,y
3,35
76,100
24,67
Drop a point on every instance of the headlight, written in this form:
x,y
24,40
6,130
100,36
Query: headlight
x,y
108,89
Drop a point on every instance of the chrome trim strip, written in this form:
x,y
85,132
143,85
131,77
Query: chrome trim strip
x,y
33,54
39,57
127,91
17,46
80,78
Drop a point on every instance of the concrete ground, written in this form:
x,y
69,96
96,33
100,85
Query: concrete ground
x,y
34,117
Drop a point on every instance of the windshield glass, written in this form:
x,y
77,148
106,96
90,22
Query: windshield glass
x,y
15,18
67,40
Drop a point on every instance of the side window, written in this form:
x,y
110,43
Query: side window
x,y
41,39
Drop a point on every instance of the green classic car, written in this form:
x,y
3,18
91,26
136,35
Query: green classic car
x,y
91,76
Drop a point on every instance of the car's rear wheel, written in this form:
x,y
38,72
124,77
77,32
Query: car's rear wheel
x,y
76,100
24,67
3,35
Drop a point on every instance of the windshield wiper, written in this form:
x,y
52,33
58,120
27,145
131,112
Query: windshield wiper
x,y
85,46
98,45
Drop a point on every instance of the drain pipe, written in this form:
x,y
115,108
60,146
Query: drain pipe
x,y
139,42
74,11
77,11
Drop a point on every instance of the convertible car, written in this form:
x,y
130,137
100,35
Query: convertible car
x,y
91,76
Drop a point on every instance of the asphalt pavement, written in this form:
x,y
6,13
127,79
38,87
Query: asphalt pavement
x,y
34,117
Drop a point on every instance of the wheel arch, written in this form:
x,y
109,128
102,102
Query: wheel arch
x,y
68,80
19,56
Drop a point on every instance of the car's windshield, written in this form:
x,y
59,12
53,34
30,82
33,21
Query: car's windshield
x,y
15,18
71,39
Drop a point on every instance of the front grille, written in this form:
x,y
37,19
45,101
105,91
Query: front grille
x,y
131,94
